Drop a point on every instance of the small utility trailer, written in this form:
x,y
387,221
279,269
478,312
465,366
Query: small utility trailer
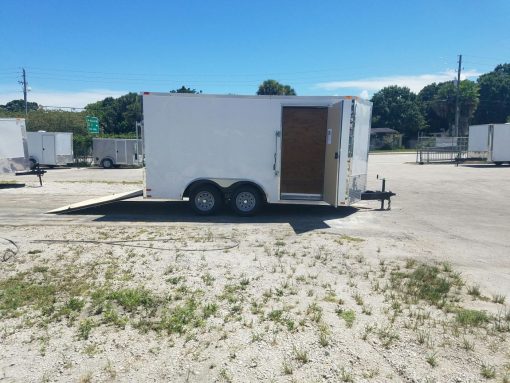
x,y
250,150
499,144
111,152
14,148
50,148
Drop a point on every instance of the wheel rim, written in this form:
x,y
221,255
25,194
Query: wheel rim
x,y
204,201
246,201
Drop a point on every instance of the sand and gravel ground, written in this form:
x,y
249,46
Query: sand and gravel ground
x,y
146,291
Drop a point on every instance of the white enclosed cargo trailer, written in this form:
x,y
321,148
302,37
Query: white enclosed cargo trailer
x,y
110,152
50,148
13,145
499,144
247,150
478,140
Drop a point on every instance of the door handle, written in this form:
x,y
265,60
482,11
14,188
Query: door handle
x,y
336,155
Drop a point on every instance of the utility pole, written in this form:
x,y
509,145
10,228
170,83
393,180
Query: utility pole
x,y
24,83
457,99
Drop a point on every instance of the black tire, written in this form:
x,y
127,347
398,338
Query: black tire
x,y
107,163
498,163
205,199
246,200
33,164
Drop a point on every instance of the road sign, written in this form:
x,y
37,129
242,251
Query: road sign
x,y
92,124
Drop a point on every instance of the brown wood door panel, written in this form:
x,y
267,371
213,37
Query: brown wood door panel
x,y
303,149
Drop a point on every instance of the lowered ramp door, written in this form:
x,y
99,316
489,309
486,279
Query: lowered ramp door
x,y
332,157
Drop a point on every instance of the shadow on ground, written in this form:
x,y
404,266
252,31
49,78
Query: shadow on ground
x,y
492,166
302,218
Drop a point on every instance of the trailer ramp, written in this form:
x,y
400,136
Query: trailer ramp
x,y
97,202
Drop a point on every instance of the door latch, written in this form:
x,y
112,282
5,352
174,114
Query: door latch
x,y
336,155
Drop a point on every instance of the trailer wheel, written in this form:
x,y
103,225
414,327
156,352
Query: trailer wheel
x,y
498,163
205,199
246,200
33,164
107,163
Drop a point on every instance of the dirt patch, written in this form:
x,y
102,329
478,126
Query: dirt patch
x,y
238,303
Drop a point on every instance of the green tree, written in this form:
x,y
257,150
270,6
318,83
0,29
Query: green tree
x,y
494,104
183,89
19,106
444,103
273,87
117,115
427,99
398,108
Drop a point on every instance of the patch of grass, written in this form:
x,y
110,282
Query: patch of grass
x,y
473,318
75,304
314,311
181,318
468,345
85,328
209,310
425,283
349,316
110,315
18,291
431,359
300,355
175,280
346,376
275,316
474,291
498,298
358,299
287,367
132,299
387,336
488,371
208,279
324,334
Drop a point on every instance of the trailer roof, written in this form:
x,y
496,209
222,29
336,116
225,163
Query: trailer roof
x,y
339,98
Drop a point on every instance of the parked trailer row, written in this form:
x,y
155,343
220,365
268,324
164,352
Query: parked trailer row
x,y
247,150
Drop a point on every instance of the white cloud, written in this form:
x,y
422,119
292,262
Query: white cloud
x,y
415,83
364,94
61,98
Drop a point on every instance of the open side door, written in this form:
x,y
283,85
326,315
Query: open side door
x,y
332,160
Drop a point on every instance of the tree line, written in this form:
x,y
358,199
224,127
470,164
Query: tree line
x,y
432,110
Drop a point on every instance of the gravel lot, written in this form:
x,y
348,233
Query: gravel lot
x,y
304,294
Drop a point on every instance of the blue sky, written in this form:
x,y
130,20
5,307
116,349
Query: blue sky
x,y
76,52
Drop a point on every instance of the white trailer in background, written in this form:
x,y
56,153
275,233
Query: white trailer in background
x,y
13,145
478,140
110,152
50,148
499,143
246,150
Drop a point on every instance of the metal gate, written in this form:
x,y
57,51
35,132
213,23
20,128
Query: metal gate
x,y
441,149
